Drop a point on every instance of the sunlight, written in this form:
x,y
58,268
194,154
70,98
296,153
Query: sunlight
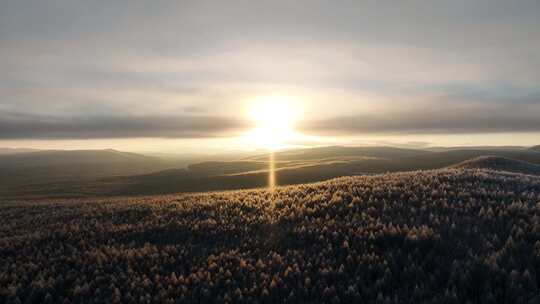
x,y
274,118
272,171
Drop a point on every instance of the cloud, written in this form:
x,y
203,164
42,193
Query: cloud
x,y
439,118
182,69
24,126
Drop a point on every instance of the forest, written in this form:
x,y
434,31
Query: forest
x,y
442,236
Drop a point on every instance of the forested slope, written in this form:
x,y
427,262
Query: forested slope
x,y
500,164
448,236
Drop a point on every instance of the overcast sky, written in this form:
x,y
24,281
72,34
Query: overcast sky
x,y
179,73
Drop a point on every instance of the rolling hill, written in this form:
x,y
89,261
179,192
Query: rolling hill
x,y
120,173
341,152
70,157
291,168
444,236
500,164
8,151
21,172
535,148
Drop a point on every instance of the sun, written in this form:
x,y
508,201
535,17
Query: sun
x,y
274,118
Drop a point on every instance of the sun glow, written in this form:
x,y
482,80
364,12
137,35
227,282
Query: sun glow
x,y
274,118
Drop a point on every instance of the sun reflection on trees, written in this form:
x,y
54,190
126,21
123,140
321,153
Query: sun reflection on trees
x,y
271,171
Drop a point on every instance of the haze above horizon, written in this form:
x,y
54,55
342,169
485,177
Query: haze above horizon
x,y
243,75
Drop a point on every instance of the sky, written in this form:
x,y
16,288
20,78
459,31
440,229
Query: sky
x,y
184,76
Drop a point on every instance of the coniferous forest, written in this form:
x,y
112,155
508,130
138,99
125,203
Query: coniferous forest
x,y
446,236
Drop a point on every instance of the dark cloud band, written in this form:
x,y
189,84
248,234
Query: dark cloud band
x,y
468,120
23,126
435,118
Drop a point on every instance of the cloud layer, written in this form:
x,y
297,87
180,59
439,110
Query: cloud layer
x,y
17,126
184,69
437,120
